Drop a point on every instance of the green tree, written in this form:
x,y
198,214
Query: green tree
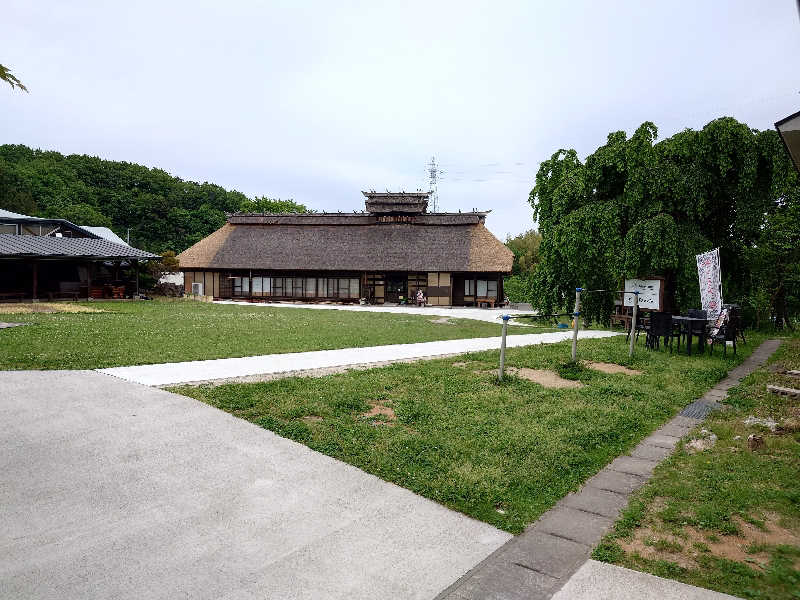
x,y
11,79
637,208
525,247
168,263
519,286
263,204
163,212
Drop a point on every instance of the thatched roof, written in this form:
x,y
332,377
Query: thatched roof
x,y
454,242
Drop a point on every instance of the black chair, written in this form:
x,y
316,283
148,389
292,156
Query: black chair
x,y
698,328
727,332
735,316
660,327
678,332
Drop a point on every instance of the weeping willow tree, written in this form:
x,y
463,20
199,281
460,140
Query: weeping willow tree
x,y
637,208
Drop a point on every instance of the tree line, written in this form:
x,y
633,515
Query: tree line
x,y
163,212
637,208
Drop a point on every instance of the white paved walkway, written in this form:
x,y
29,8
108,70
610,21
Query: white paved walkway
x,y
109,489
601,581
490,315
202,370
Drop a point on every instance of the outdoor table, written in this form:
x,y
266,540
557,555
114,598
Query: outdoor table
x,y
686,326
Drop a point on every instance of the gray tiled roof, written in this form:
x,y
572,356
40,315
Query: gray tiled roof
x,y
7,214
34,245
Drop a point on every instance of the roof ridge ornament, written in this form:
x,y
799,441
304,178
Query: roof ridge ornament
x,y
396,203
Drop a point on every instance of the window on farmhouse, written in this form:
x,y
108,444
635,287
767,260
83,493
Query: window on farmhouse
x,y
491,289
311,287
262,286
344,288
469,287
277,286
241,286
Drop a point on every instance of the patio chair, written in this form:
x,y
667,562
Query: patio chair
x,y
698,328
724,331
678,333
660,327
735,316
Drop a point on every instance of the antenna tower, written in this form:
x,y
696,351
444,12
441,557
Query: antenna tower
x,y
434,175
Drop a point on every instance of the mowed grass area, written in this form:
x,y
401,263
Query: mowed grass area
x,y
727,518
147,332
446,429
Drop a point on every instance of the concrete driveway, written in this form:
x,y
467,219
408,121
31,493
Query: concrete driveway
x,y
110,489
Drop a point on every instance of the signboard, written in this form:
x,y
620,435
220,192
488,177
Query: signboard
x,y
709,274
650,293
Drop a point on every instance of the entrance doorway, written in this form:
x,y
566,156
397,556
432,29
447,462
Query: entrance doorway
x,y
396,287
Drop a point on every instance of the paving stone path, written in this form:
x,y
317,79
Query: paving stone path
x,y
537,563
224,368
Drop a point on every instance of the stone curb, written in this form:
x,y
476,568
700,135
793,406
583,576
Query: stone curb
x,y
537,563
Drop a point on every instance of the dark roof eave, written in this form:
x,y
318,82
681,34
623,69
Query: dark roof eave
x,y
75,257
350,214
46,220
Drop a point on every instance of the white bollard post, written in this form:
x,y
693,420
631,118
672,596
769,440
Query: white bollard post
x,y
633,321
503,347
575,317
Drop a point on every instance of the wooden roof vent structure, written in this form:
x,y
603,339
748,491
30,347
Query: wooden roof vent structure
x,y
397,203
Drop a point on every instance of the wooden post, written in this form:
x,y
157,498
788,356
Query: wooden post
x,y
35,296
364,291
501,293
136,266
633,321
503,348
89,280
575,318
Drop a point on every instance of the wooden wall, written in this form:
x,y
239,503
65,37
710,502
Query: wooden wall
x,y
209,279
440,289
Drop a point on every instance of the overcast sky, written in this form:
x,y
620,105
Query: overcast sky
x,y
316,101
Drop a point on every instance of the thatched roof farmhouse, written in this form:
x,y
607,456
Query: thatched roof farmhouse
x,y
382,255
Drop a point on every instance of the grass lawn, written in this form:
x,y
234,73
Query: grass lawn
x,y
445,429
727,518
133,333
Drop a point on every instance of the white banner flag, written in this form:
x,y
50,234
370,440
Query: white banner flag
x,y
709,273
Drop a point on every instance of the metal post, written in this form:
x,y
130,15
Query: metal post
x,y
35,281
503,347
633,321
575,316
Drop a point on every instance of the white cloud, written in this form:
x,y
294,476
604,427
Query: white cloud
x,y
317,101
